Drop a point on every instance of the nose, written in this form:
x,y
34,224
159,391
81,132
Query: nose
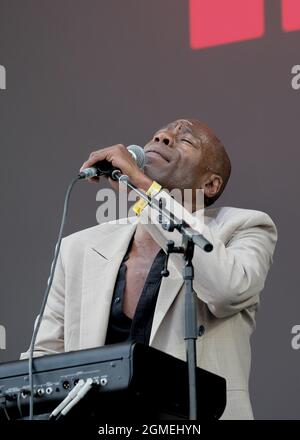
x,y
164,137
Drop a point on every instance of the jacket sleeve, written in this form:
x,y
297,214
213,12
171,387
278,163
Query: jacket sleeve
x,y
229,278
50,338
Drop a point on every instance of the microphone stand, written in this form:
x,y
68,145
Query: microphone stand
x,y
181,226
190,238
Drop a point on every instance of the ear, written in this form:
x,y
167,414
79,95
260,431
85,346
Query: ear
x,y
212,185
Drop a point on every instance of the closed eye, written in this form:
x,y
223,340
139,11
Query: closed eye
x,y
189,142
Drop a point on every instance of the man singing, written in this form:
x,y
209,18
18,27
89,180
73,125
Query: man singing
x,y
108,286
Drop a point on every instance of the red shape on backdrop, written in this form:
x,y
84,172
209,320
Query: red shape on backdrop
x,y
290,15
216,22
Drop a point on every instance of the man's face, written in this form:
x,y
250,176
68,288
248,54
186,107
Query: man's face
x,y
176,156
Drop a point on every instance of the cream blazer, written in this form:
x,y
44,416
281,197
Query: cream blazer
x,y
227,282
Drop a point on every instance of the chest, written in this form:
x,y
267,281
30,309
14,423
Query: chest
x,y
138,266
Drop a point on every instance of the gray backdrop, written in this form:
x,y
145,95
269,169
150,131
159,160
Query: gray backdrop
x,y
85,74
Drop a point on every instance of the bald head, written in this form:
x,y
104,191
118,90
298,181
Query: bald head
x,y
187,154
215,157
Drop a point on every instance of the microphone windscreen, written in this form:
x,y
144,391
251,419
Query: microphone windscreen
x,y
138,154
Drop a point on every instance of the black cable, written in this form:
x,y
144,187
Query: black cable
x,y
46,294
6,413
19,405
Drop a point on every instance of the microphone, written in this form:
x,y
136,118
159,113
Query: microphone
x,y
105,168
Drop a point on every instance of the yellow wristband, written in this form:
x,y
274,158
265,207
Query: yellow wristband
x,y
141,204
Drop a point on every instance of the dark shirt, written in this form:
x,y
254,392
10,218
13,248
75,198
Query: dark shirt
x,y
120,327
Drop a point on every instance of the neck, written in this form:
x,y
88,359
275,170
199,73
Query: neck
x,y
142,237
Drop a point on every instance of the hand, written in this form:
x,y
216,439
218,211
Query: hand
x,y
120,158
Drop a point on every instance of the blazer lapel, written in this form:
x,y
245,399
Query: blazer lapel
x,y
168,291
101,266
